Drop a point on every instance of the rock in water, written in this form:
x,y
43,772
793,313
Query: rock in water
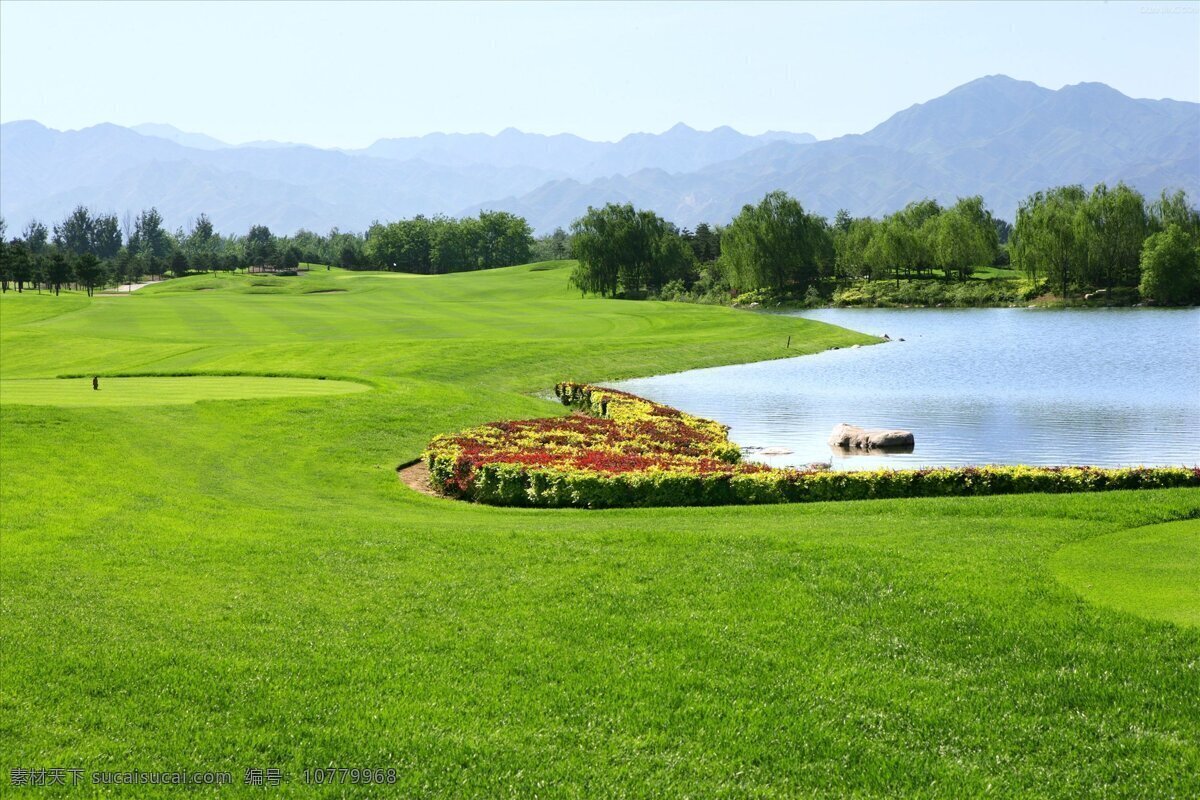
x,y
852,436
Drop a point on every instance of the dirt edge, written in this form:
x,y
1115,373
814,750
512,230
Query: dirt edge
x,y
416,477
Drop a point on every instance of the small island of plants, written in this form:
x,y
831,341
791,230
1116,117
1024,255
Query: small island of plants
x,y
620,450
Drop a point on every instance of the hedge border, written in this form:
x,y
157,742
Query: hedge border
x,y
513,484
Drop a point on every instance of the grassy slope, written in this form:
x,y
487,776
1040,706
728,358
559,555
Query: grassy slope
x,y
245,583
1153,570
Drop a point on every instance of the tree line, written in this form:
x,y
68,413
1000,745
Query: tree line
x,y
1066,237
777,245
443,244
91,250
1110,237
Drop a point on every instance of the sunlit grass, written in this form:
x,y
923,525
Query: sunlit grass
x,y
164,390
1153,571
219,585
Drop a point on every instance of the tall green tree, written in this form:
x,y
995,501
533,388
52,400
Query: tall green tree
x,y
106,237
1174,207
1113,226
75,234
603,240
290,258
774,244
150,242
504,239
623,249
89,271
404,246
963,237
14,265
850,248
706,243
1170,265
560,243
453,245
58,271
920,217
260,246
123,266
36,237
202,245
893,249
1048,237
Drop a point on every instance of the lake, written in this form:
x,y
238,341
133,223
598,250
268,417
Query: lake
x,y
1105,387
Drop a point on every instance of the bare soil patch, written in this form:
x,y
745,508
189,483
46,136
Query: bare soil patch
x,y
416,477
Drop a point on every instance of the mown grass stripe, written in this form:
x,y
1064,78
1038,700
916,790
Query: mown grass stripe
x,y
76,392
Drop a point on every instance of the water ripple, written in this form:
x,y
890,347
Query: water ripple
x,y
1000,386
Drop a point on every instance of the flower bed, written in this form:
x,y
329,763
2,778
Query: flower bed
x,y
620,450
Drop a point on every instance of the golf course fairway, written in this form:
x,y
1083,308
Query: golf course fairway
x,y
1153,571
246,584
165,390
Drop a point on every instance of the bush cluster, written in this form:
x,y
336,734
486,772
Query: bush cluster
x,y
622,451
961,294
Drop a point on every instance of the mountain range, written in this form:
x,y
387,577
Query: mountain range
x,y
995,136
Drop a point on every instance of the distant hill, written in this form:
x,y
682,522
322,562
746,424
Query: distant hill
x,y
172,134
680,149
44,173
995,136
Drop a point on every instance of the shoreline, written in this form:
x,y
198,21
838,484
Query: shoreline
x,y
794,404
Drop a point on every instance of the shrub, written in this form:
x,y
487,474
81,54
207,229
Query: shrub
x,y
960,294
620,450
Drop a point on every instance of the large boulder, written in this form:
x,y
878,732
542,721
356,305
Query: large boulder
x,y
853,437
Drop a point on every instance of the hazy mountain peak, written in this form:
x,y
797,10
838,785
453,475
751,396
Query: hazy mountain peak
x,y
998,80
996,136
1091,89
161,130
681,127
24,124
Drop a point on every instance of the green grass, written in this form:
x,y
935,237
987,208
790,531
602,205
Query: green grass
x,y
995,273
246,583
1153,571
164,390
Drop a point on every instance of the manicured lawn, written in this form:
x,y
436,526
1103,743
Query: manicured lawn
x,y
223,585
164,390
1153,571
993,273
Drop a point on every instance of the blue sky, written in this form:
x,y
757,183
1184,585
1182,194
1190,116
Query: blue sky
x,y
346,74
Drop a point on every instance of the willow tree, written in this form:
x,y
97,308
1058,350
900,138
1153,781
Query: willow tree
x,y
621,248
894,247
1048,236
1174,207
963,236
850,247
1113,225
774,244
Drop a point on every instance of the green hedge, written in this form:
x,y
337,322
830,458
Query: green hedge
x,y
518,485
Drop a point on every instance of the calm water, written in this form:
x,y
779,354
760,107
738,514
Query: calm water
x,y
975,386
